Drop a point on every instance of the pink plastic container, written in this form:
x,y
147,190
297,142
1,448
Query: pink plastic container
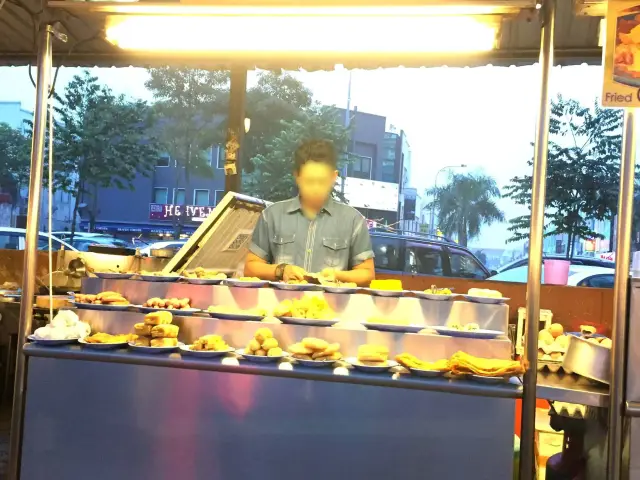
x,y
556,272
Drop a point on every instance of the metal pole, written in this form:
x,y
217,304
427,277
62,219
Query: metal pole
x,y
347,122
538,194
235,130
31,248
621,295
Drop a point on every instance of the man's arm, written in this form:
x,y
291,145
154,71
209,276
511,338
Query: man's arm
x,y
361,274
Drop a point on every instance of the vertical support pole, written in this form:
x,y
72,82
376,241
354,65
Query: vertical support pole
x,y
538,195
31,248
235,130
621,295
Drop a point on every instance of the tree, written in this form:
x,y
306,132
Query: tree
x,y
272,179
14,161
190,108
465,204
100,141
583,169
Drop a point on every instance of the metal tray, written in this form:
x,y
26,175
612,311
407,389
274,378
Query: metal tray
x,y
588,360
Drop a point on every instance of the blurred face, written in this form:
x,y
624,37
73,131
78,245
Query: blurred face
x,y
315,182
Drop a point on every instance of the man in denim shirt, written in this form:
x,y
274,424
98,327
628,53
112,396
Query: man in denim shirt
x,y
312,232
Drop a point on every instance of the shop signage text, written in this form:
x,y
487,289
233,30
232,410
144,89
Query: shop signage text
x,y
158,211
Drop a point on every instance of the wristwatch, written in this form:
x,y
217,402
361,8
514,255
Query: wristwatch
x,y
280,271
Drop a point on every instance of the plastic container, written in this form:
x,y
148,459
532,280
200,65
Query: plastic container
x,y
556,272
546,317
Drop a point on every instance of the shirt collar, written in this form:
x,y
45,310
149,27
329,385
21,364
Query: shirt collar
x,y
296,207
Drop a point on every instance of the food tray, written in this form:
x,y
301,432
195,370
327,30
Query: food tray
x,y
203,281
113,275
51,343
312,322
235,316
486,300
152,350
435,296
353,361
338,289
187,312
479,333
245,284
388,327
102,346
420,372
186,350
384,293
102,306
315,363
296,287
158,278
261,358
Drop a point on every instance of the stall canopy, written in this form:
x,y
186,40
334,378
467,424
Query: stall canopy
x,y
87,25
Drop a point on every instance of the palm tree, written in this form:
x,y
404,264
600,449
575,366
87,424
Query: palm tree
x,y
465,204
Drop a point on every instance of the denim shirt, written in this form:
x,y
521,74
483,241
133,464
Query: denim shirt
x,y
337,238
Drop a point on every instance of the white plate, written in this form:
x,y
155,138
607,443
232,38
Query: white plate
x,y
141,349
315,363
261,359
480,333
239,283
369,368
113,275
203,281
487,300
51,343
185,313
313,322
334,289
426,373
102,346
158,278
102,306
186,350
384,293
296,287
236,316
386,327
434,296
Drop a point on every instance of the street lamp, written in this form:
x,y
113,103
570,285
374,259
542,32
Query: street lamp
x,y
435,185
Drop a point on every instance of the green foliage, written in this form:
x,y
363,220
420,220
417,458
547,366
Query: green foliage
x,y
465,204
583,169
272,179
14,160
101,140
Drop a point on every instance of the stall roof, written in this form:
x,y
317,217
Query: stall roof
x,y
576,39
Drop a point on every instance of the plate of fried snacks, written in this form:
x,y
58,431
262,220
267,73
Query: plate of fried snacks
x,y
484,369
158,276
315,352
437,294
106,341
156,334
113,275
207,346
485,295
421,368
296,286
246,282
308,310
392,325
235,313
372,359
262,348
178,306
200,276
101,301
470,330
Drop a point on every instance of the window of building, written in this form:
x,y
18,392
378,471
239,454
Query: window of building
x,y
465,266
161,195
179,196
389,171
219,156
201,198
387,253
9,241
163,161
219,195
360,167
425,259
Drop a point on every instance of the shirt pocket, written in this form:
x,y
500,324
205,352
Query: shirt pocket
x,y
284,248
336,253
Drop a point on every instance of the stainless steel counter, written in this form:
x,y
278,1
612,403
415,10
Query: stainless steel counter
x,y
118,414
573,389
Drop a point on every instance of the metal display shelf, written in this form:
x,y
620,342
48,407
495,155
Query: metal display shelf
x,y
571,389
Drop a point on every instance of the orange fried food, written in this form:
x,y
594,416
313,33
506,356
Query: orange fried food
x,y
410,361
462,362
107,338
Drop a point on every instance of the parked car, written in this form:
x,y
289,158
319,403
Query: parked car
x,y
586,261
173,244
83,240
15,239
579,276
423,254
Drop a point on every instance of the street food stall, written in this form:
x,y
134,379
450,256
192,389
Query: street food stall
x,y
127,413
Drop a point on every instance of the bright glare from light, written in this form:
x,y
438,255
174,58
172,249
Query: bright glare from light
x,y
300,33
247,124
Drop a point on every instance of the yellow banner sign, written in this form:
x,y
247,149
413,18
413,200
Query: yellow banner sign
x,y
622,55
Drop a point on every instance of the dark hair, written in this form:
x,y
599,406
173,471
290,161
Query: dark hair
x,y
321,151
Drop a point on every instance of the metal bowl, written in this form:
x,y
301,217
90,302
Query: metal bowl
x,y
588,359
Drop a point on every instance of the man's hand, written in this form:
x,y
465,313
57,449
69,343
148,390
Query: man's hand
x,y
292,272
329,275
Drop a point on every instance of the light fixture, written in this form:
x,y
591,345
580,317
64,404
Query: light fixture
x,y
273,32
247,124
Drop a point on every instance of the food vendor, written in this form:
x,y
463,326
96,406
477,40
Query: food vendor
x,y
312,232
